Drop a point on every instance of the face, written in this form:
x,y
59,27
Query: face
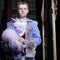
x,y
23,10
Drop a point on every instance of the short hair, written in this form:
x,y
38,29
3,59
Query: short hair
x,y
22,2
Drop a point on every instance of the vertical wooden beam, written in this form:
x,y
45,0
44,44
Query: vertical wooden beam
x,y
43,34
9,9
54,30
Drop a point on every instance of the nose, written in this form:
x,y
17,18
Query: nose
x,y
22,10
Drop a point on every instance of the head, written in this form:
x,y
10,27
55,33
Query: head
x,y
23,9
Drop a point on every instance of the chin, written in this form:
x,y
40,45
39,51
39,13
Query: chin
x,y
23,15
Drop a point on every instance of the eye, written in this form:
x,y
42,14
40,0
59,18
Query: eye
x,y
20,8
25,8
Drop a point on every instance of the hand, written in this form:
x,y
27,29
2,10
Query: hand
x,y
18,50
5,45
22,40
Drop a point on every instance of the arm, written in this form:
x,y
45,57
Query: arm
x,y
36,33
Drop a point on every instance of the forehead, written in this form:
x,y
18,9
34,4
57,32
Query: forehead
x,y
23,6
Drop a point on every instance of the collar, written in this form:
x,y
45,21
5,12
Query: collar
x,y
26,19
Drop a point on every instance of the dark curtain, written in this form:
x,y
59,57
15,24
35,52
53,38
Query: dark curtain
x,y
49,35
3,26
6,14
38,17
58,31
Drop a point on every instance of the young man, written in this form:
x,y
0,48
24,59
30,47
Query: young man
x,y
21,30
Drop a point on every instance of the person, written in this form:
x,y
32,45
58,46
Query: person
x,y
20,32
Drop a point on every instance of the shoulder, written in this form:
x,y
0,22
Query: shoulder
x,y
35,22
32,21
9,22
12,20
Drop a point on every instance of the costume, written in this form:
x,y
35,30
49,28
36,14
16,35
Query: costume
x,y
17,28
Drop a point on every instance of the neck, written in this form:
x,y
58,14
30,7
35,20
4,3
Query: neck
x,y
22,18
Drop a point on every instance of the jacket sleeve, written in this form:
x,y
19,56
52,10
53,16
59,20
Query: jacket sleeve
x,y
10,25
36,33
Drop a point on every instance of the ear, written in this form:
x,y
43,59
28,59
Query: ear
x,y
28,11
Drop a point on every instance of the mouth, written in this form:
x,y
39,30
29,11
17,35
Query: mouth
x,y
22,13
